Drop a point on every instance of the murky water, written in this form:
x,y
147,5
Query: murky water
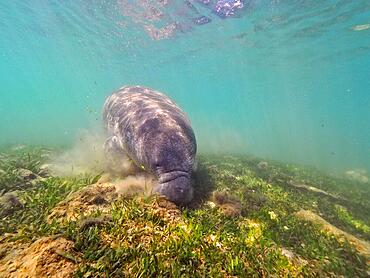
x,y
287,80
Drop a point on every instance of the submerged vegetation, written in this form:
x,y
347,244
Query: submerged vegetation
x,y
252,218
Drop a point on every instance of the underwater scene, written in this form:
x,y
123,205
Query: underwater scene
x,y
185,138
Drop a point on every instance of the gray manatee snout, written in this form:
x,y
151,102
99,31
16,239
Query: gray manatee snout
x,y
156,134
178,190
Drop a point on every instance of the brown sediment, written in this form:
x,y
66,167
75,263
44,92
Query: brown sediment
x,y
229,205
85,201
100,196
46,257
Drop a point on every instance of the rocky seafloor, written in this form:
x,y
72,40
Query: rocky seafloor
x,y
250,218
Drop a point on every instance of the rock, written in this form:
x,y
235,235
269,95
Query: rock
x,y
26,175
45,170
9,203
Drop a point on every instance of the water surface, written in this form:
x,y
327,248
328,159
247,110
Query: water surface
x,y
287,80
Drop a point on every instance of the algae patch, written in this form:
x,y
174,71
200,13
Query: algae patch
x,y
245,222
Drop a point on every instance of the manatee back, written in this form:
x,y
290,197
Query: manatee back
x,y
151,129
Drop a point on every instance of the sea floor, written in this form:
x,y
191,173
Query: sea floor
x,y
250,218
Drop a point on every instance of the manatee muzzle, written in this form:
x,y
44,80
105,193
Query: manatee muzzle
x,y
177,190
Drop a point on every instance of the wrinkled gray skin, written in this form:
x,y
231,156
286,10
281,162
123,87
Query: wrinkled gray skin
x,y
154,132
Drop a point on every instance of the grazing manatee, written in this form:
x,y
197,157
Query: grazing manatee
x,y
156,134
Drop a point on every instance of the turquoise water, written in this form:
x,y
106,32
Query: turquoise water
x,y
287,80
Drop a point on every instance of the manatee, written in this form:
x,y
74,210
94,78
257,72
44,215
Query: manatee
x,y
156,135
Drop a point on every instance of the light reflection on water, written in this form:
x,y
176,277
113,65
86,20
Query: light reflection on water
x,y
282,79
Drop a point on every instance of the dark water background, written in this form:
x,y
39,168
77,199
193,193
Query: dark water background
x,y
288,80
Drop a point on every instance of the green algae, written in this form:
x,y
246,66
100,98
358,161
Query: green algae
x,y
147,237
